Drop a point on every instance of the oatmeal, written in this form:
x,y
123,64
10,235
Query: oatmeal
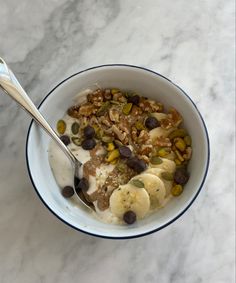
x,y
134,153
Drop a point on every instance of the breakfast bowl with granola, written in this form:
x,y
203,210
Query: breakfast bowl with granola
x,y
142,143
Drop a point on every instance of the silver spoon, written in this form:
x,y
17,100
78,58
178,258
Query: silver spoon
x,y
12,87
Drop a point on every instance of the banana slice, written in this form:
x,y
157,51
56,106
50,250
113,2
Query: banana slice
x,y
154,186
167,165
128,197
157,172
160,132
159,116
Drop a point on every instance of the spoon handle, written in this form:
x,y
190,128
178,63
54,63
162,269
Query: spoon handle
x,y
11,86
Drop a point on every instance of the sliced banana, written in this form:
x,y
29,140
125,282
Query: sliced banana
x,y
159,116
167,165
128,197
160,132
157,172
154,186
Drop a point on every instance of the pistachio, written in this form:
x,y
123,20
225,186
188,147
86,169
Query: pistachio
x,y
139,126
177,190
103,109
127,108
188,153
156,160
180,133
110,146
112,155
167,176
180,144
61,127
179,155
114,90
163,152
137,183
188,140
177,161
75,128
76,141
114,161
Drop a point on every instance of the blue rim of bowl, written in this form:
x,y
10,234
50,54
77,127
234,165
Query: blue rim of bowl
x,y
142,234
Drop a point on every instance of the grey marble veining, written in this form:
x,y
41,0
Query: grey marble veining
x,y
191,42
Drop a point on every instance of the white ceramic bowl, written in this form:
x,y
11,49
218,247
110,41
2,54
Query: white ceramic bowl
x,y
147,83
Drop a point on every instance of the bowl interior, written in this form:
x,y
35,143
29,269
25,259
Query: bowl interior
x,y
148,84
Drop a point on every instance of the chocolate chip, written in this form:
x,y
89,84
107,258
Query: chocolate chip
x,y
181,176
134,99
65,139
151,123
125,151
88,144
82,185
129,217
136,164
89,132
67,191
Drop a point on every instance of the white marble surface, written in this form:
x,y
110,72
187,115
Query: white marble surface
x,y
192,42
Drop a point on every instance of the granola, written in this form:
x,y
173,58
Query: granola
x,y
131,142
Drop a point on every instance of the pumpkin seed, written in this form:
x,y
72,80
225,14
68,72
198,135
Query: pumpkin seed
x,y
137,183
167,176
127,108
75,128
76,141
107,139
61,127
115,102
156,160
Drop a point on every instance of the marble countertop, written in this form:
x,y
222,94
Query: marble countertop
x,y
191,42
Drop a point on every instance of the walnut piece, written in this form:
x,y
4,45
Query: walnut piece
x,y
119,97
143,137
107,94
87,109
96,98
136,111
149,105
73,111
161,141
134,134
173,119
145,149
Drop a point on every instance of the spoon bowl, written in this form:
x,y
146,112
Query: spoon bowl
x,y
12,87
